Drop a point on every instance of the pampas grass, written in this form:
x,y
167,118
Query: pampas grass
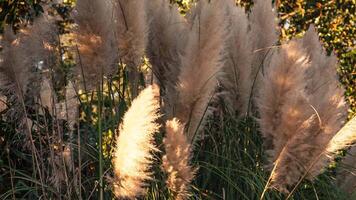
x,y
299,144
96,42
322,81
263,34
202,61
21,60
132,157
176,160
216,50
342,140
281,100
236,73
165,51
131,32
14,75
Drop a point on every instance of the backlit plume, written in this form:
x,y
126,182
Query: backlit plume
x,y
132,157
96,41
176,160
201,63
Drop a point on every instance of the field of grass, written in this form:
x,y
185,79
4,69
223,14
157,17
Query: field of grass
x,y
84,112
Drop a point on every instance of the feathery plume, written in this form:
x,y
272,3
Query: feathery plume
x,y
13,69
96,41
176,160
236,77
322,74
42,41
307,155
132,157
281,100
263,33
263,36
344,138
167,39
326,96
131,30
22,58
201,62
305,152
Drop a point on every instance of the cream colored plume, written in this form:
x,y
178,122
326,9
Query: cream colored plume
x,y
131,32
323,72
95,37
263,34
201,62
281,99
176,160
306,155
167,39
132,157
14,71
236,74
345,137
22,56
326,96
285,114
303,143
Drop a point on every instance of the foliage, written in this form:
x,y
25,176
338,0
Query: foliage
x,y
16,12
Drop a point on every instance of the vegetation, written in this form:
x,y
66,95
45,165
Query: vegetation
x,y
177,99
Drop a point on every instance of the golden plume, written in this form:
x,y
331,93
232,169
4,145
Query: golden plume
x,y
236,73
135,143
97,48
131,32
263,34
167,39
303,145
201,62
176,160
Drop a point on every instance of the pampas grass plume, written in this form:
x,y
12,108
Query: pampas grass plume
x,y
281,99
344,138
236,73
132,156
176,160
303,128
201,62
263,33
96,41
167,39
131,32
